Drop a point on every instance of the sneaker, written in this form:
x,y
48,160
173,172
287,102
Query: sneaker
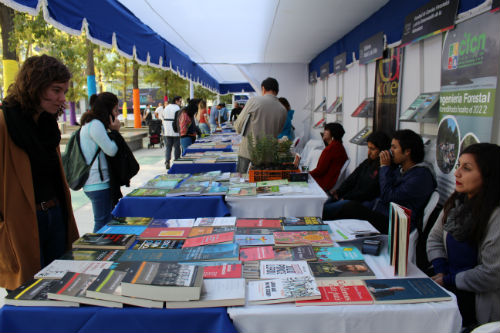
x,y
167,165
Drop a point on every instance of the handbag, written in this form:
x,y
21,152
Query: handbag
x,y
75,166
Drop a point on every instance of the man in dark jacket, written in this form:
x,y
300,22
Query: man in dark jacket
x,y
404,179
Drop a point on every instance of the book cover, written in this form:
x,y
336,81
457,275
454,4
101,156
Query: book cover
x,y
148,192
338,253
222,272
161,281
216,292
215,221
92,255
272,182
171,223
283,253
268,190
165,233
215,190
34,293
337,292
158,244
130,220
304,252
185,191
251,270
199,231
258,223
72,287
107,286
219,252
288,289
256,253
122,229
163,184
57,268
254,240
406,290
256,231
351,229
355,269
104,241
276,269
226,237
160,255
310,227
304,220
296,238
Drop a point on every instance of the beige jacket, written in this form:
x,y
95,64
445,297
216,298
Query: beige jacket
x,y
267,117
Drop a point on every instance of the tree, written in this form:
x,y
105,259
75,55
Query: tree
x,y
203,93
170,84
106,63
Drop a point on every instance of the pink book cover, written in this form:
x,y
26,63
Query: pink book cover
x,y
291,238
256,253
232,271
225,237
165,233
258,223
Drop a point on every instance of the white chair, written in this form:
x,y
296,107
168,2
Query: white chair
x,y
431,204
313,158
342,175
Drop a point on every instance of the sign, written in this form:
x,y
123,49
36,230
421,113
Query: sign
x,y
387,77
371,49
324,70
313,77
339,63
435,17
469,71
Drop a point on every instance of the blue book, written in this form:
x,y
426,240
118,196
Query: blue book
x,y
219,252
254,240
161,255
337,253
122,229
406,290
321,227
211,263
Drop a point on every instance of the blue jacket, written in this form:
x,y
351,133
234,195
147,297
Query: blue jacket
x,y
287,129
411,189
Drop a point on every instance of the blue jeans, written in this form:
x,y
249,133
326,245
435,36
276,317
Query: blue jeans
x,y
52,234
332,208
185,143
204,128
101,206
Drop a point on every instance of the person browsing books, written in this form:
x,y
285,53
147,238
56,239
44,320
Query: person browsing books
x,y
36,218
96,122
187,125
172,138
464,243
288,129
404,178
332,158
362,184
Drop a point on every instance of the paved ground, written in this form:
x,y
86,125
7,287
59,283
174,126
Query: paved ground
x,y
152,162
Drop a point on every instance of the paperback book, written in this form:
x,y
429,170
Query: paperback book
x,y
222,272
172,223
277,269
104,241
226,237
305,220
254,240
296,238
258,223
256,253
406,290
57,268
122,229
338,253
158,244
340,292
165,233
149,192
130,220
282,290
355,269
200,231
92,255
256,231
215,221
34,293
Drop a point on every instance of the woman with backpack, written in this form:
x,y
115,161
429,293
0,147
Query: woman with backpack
x,y
36,217
94,140
187,125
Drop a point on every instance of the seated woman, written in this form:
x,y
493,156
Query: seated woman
x,y
464,243
362,184
332,158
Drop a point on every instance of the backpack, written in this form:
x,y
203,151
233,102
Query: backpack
x,y
175,122
123,166
75,166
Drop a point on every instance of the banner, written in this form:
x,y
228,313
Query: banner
x,y
371,49
339,63
387,77
469,70
324,70
433,18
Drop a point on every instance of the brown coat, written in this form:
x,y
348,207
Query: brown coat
x,y
19,243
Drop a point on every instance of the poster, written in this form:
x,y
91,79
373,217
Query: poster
x,y
387,78
469,70
371,49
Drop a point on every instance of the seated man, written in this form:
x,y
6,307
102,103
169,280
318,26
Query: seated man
x,y
332,158
362,184
407,181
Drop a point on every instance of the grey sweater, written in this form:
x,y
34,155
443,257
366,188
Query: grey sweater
x,y
484,279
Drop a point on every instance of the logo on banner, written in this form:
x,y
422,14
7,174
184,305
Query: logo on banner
x,y
471,48
453,56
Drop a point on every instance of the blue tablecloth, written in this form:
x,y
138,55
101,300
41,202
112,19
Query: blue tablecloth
x,y
172,207
110,320
202,150
202,167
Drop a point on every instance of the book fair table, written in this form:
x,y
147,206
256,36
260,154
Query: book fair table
x,y
171,207
202,167
418,317
111,320
308,203
228,148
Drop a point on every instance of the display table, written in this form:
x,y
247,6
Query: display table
x,y
420,317
201,167
99,319
229,148
171,207
301,204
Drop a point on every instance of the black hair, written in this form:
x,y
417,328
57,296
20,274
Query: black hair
x,y
176,99
411,140
285,103
101,107
336,130
380,140
192,107
482,205
270,84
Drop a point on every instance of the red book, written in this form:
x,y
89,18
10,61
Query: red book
x,y
226,237
165,233
335,292
256,253
258,223
232,271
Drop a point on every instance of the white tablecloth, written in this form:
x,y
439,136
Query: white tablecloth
x,y
420,317
300,204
